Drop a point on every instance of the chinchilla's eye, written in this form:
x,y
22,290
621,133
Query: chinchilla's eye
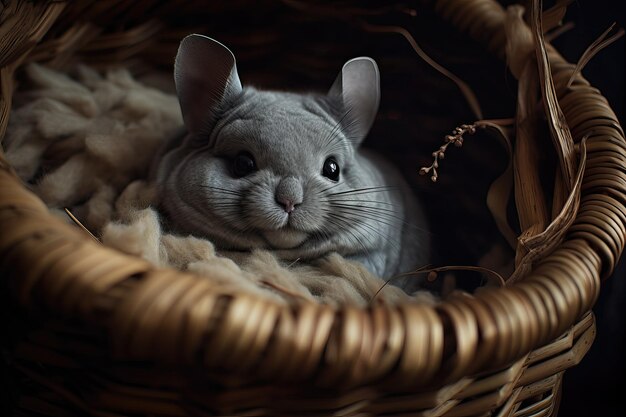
x,y
331,169
243,164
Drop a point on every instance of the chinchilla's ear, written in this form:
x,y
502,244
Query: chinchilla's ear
x,y
206,78
358,88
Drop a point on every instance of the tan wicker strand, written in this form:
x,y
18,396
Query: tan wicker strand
x,y
19,36
581,107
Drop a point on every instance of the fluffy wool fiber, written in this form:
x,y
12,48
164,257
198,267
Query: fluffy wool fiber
x,y
86,142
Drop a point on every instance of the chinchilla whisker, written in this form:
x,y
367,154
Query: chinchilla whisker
x,y
369,213
247,227
335,141
332,136
375,214
365,190
226,198
322,231
377,211
347,200
335,134
356,204
361,222
249,181
384,211
346,227
358,221
227,205
225,190
339,146
319,235
328,188
353,139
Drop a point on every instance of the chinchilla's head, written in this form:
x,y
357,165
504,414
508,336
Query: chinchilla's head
x,y
277,170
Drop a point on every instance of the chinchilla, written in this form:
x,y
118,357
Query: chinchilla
x,y
284,171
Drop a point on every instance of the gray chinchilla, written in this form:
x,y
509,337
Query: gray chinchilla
x,y
284,171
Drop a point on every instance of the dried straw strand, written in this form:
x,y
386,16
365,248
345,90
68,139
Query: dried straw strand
x,y
595,47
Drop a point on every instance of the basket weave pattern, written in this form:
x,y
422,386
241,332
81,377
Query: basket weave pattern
x,y
132,338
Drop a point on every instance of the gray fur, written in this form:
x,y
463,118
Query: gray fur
x,y
369,215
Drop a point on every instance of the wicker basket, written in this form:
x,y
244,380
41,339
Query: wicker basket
x,y
95,332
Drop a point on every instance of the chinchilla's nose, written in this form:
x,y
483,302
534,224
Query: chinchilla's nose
x,y
288,194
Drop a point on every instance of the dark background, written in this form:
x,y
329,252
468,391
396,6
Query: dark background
x,y
595,386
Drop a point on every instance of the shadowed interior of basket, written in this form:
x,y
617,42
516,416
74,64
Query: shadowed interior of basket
x,y
419,106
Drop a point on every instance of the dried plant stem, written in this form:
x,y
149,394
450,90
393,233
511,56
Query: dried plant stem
x,y
554,15
493,278
283,290
293,263
554,34
456,138
500,190
467,92
591,51
79,224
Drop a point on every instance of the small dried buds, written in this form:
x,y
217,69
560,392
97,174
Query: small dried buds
x,y
455,138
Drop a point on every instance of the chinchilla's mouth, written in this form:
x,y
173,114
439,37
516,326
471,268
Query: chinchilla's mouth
x,y
285,238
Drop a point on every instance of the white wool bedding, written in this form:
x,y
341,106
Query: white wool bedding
x,y
86,142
